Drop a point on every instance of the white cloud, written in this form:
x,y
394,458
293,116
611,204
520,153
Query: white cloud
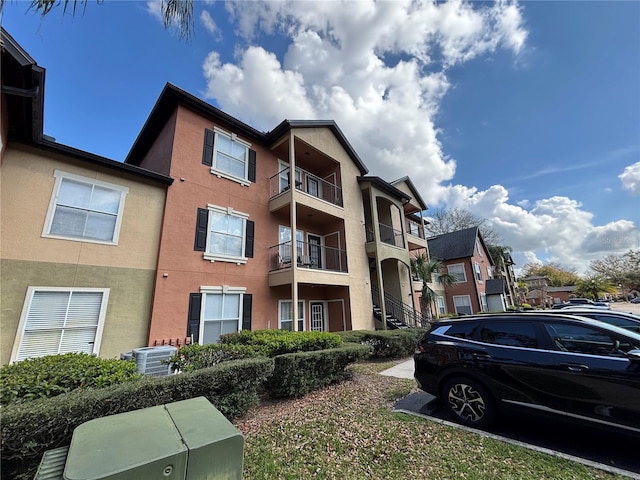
x,y
334,68
630,178
154,8
208,22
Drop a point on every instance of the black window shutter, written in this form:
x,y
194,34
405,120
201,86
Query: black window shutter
x,y
207,154
193,320
247,300
248,246
252,165
201,230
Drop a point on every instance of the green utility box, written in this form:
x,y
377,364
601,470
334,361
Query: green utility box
x,y
187,440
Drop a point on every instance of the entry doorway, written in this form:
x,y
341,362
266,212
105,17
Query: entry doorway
x,y
318,316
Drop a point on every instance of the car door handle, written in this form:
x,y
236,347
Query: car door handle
x,y
481,356
574,367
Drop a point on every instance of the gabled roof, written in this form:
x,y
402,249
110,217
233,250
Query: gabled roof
x,y
413,189
454,245
494,286
172,96
385,187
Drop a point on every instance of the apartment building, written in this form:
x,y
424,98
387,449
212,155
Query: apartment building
x,y
79,233
209,227
466,256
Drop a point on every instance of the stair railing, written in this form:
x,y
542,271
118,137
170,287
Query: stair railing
x,y
398,310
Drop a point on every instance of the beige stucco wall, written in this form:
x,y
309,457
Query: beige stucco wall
x,y
358,264
127,314
27,183
29,259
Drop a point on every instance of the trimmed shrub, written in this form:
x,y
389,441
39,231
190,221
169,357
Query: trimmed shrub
x,y
195,356
386,343
30,428
297,374
278,342
53,375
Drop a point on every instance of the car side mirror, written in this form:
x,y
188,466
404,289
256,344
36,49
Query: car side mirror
x,y
634,355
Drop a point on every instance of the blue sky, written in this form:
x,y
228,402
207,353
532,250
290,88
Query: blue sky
x,y
527,114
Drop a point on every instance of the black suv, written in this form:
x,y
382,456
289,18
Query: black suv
x,y
481,366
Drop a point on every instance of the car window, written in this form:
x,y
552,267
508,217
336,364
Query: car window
x,y
588,340
515,334
461,330
617,321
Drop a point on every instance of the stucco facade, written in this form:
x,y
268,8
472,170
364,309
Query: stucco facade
x,y
30,258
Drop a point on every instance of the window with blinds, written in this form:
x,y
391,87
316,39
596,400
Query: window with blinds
x,y
57,320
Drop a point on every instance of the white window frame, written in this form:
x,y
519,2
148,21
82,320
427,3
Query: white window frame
x,y
27,306
220,290
489,273
441,305
483,302
282,239
467,298
478,247
464,273
301,314
59,176
218,257
221,173
477,272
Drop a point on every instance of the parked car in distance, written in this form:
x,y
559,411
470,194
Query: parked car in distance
x,y
625,320
580,301
604,305
482,366
635,300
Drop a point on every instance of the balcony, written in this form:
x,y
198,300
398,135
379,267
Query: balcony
x,y
308,256
388,235
305,182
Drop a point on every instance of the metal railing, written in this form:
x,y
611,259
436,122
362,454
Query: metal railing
x,y
414,228
398,310
306,182
388,235
307,255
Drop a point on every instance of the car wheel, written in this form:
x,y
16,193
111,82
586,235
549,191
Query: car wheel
x,y
469,402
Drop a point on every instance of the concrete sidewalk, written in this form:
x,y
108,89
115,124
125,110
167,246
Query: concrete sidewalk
x,y
402,370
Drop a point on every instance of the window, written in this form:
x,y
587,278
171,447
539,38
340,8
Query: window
x,y
483,302
515,334
462,304
442,309
457,270
221,312
476,267
285,315
478,247
588,340
489,273
224,234
60,320
85,209
228,156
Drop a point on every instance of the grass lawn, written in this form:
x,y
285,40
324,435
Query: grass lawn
x,y
348,431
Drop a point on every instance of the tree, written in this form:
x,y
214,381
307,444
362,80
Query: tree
x,y
593,286
175,12
557,274
426,269
446,221
623,270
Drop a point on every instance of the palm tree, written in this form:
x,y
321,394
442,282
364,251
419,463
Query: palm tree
x,y
428,270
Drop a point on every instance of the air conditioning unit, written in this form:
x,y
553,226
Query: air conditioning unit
x,y
153,360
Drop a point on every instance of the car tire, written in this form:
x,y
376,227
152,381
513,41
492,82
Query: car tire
x,y
469,402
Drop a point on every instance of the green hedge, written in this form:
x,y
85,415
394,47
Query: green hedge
x,y
386,343
195,356
53,375
278,342
297,374
30,428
